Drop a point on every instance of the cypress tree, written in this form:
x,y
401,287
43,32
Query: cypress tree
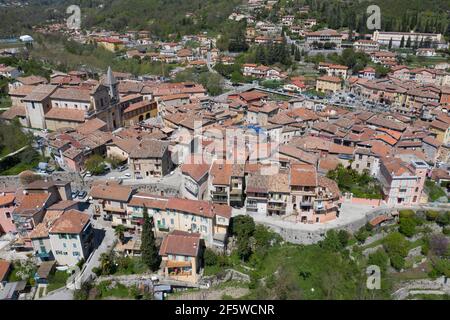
x,y
149,251
402,42
390,43
408,42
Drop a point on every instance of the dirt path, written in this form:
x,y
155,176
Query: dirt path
x,y
211,294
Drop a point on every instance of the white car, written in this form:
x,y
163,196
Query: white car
x,y
127,174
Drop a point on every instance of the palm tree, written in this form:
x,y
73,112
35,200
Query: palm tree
x,y
105,263
120,233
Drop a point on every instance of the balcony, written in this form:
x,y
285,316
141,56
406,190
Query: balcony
x,y
306,204
220,199
276,207
162,227
235,192
114,209
252,205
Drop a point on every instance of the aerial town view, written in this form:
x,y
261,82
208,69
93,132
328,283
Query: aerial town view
x,y
224,150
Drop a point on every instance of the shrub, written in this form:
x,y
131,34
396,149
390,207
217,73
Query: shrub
x,y
210,257
432,215
398,262
446,231
407,213
379,258
361,235
407,226
396,244
444,219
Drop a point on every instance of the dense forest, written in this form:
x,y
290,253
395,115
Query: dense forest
x,y
177,17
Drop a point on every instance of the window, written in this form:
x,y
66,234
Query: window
x,y
172,222
64,245
41,242
73,236
58,252
8,215
76,254
74,245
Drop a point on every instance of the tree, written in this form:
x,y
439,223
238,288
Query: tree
x,y
107,263
379,258
396,244
332,241
344,237
408,42
149,250
243,228
120,232
402,42
212,82
439,245
95,164
390,44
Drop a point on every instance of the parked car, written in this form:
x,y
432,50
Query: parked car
x,y
75,194
88,174
122,168
82,194
127,174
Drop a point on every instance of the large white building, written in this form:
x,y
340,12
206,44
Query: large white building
x,y
383,38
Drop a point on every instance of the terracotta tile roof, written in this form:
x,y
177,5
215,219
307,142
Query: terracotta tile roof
x,y
111,192
329,79
14,111
72,221
32,203
91,126
142,200
432,141
66,114
23,90
180,243
329,185
298,154
7,199
149,149
252,95
303,175
140,105
195,170
40,93
32,80
72,94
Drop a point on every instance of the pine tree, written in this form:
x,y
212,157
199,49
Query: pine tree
x,y
402,42
149,251
390,44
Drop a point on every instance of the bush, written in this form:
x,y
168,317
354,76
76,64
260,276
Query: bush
x,y
396,244
431,215
407,213
444,219
446,231
379,258
407,226
398,262
361,235
210,257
